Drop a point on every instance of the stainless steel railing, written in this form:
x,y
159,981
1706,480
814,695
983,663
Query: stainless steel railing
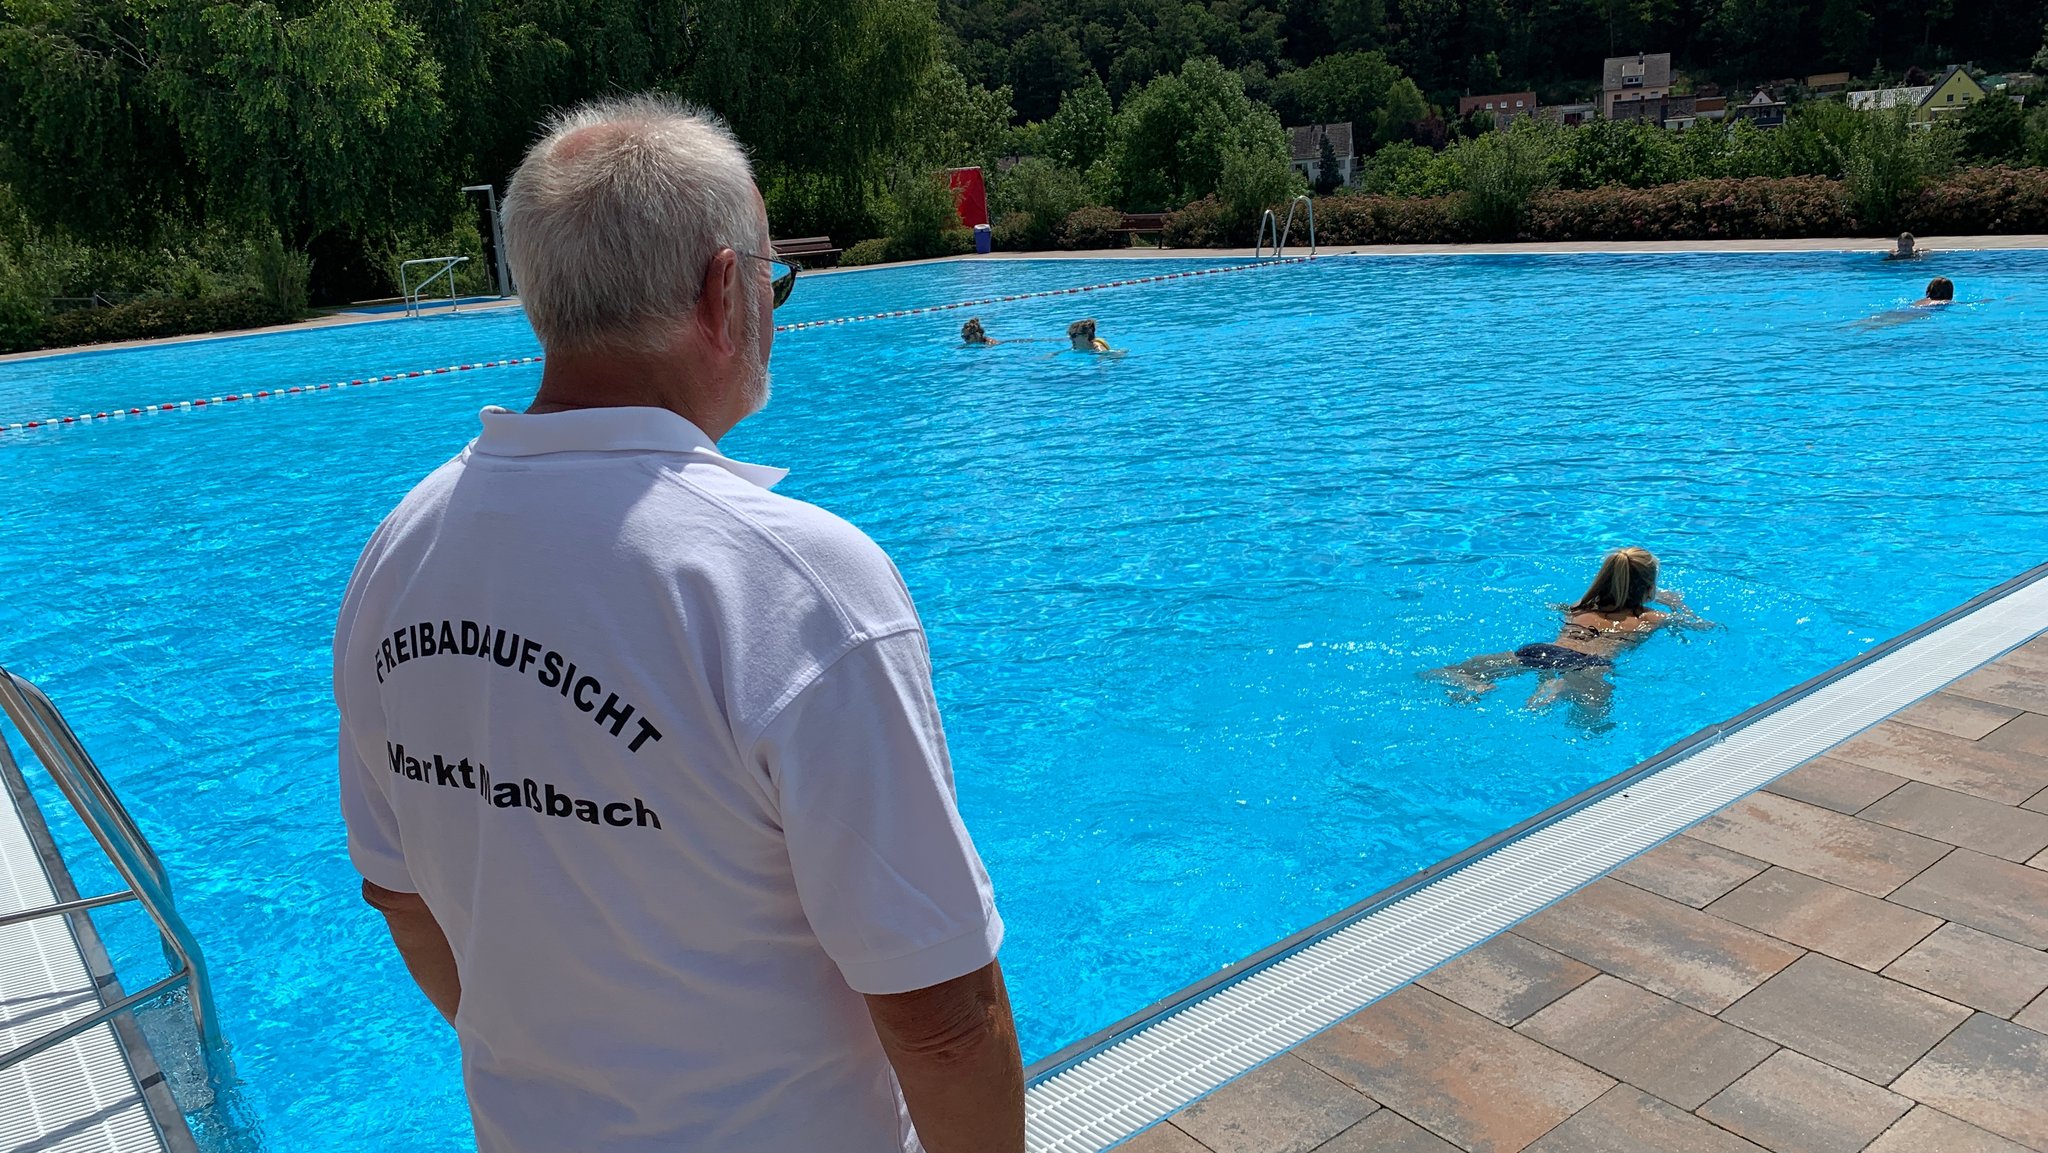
x,y
82,784
1269,225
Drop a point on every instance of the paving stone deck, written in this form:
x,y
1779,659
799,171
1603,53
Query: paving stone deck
x,y
1850,960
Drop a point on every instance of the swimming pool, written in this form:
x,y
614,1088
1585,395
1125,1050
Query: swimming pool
x,y
1177,602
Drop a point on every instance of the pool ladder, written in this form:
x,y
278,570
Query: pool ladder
x,y
86,788
1269,223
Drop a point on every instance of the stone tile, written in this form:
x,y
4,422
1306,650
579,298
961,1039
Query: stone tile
x,y
1651,1042
2026,733
1853,1020
1162,1138
1689,871
2041,861
1507,978
1979,768
1659,944
1991,1073
1974,969
1850,852
1283,1106
2005,685
1842,923
1961,819
1481,1086
1627,1120
2034,1016
1794,1104
1927,1130
1387,1132
1833,784
1957,716
1983,892
2038,803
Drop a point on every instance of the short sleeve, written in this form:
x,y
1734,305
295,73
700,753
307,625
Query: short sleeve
x,y
888,877
373,842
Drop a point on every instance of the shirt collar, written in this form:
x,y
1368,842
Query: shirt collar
x,y
620,429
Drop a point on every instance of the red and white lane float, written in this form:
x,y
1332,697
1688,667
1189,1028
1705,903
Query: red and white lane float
x,y
296,389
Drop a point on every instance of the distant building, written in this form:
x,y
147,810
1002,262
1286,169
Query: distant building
x,y
1710,107
1305,150
1762,110
1569,113
1638,77
1828,82
1954,90
1504,106
1675,111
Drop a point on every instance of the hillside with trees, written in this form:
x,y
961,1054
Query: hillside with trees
x,y
214,163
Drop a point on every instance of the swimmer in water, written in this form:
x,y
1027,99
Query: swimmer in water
x,y
1082,334
1613,617
1905,249
1941,290
973,333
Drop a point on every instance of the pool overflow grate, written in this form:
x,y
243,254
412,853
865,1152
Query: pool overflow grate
x,y
278,393
1089,1097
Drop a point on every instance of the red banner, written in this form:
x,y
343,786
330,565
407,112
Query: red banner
x,y
970,198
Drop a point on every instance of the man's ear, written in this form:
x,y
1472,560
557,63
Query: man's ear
x,y
719,304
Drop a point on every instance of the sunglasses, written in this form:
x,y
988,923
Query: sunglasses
x,y
783,272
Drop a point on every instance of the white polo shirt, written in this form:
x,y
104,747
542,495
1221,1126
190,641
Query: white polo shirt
x,y
658,748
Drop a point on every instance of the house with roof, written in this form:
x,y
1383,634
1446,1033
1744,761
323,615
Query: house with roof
x,y
1305,150
1954,90
1827,83
1644,76
1762,110
1504,106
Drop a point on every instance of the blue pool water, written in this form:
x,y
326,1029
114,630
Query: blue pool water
x,y
1177,601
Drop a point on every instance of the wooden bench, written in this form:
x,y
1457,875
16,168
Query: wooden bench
x,y
816,250
1135,224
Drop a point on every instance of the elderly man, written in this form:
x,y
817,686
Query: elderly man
x,y
639,760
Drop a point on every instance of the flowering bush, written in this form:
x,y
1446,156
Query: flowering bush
x,y
1982,200
1347,220
1092,227
1752,209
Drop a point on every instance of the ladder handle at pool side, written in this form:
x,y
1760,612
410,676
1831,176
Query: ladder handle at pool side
x,y
73,770
1280,232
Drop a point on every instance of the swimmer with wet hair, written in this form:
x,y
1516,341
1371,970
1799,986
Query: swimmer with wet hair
x,y
1905,249
1612,617
973,333
1082,334
1941,290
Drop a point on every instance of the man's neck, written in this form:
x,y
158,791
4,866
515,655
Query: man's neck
x,y
571,381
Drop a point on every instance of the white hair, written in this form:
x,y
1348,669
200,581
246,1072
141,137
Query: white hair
x,y
613,217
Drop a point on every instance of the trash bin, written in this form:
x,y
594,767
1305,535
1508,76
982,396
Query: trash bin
x,y
983,240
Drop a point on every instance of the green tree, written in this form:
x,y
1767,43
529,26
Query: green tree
x,y
1033,198
953,124
1172,136
1404,109
1348,87
1992,129
1078,134
1884,162
1629,152
1329,173
1500,171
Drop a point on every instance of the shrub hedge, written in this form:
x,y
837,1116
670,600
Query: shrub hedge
x,y
145,319
1982,201
1756,209
1972,201
1092,227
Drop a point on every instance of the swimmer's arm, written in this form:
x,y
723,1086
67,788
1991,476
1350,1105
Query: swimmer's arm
x,y
1681,614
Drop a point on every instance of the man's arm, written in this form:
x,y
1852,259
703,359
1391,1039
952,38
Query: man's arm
x,y
425,947
954,1048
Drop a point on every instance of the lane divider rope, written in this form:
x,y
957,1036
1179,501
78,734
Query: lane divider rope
x,y
797,326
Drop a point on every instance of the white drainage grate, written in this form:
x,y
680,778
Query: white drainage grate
x,y
1137,1079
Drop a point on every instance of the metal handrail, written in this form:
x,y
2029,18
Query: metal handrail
x,y
412,293
1298,202
82,783
1259,246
